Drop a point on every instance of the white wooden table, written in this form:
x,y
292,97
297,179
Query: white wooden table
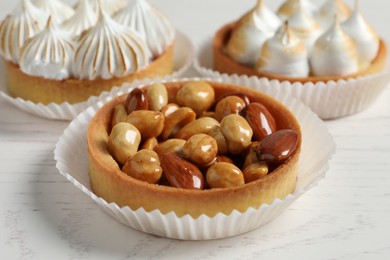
x,y
347,216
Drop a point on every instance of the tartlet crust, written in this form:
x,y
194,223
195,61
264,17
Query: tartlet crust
x,y
113,185
46,91
225,64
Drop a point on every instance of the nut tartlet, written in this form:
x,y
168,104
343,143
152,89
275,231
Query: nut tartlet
x,y
109,181
358,38
69,60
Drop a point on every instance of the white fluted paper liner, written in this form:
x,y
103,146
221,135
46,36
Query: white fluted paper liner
x,y
317,148
328,100
183,56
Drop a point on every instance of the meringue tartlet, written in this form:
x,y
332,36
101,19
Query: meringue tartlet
x,y
122,174
338,44
80,53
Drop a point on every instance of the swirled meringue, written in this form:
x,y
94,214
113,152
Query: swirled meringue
x,y
113,6
290,7
284,54
48,53
366,38
150,23
334,53
109,50
305,27
329,9
247,38
85,17
24,22
269,18
58,10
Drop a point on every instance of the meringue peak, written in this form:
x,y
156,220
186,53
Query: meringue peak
x,y
284,54
334,53
56,8
304,26
329,9
25,21
289,7
365,36
109,50
48,53
151,23
86,15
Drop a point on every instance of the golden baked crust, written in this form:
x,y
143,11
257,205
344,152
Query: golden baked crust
x,y
45,91
224,64
109,182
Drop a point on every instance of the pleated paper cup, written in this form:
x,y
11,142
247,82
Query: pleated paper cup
x,y
329,100
183,56
71,155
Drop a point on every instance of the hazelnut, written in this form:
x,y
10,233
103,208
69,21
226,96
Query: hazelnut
x,y
157,96
199,126
149,123
150,143
198,95
173,145
118,115
255,171
144,166
224,175
200,149
237,132
123,141
216,133
229,105
176,120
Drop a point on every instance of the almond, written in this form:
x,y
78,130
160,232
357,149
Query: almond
x,y
278,147
136,100
181,173
260,119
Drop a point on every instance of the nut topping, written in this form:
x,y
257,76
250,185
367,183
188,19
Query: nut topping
x,y
119,115
232,141
176,120
157,96
278,147
237,132
199,126
144,166
200,149
229,105
260,119
181,173
123,141
136,100
224,175
149,123
198,95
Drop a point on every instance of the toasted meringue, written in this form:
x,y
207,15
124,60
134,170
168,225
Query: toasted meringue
x,y
305,27
366,38
248,36
334,53
85,17
268,17
290,7
150,23
24,22
284,54
329,9
57,9
113,6
48,53
109,50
